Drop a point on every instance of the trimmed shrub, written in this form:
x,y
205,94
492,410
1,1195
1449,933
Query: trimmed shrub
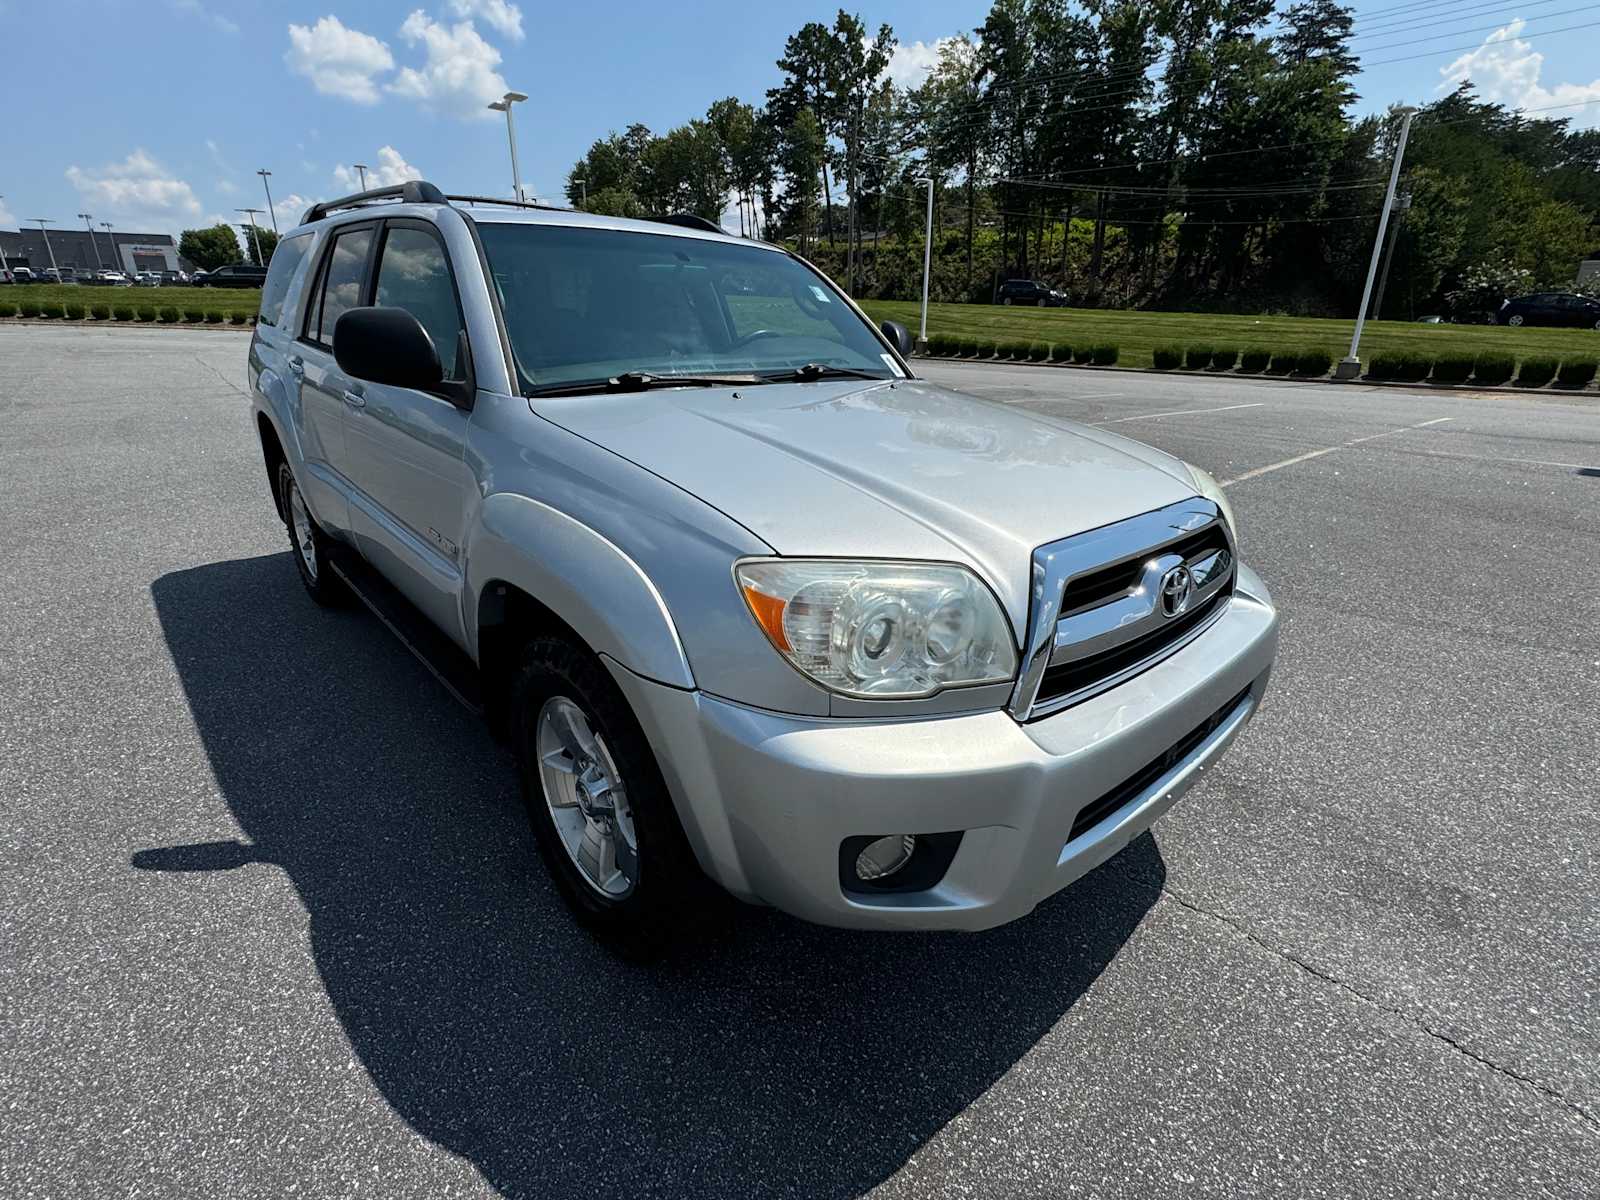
x,y
1038,352
213,317
74,310
1578,372
100,311
1313,362
56,309
1414,367
125,312
1283,361
239,318
147,312
1167,358
1012,350
1536,372
988,348
1223,360
28,307
1255,360
1104,355
1083,354
1197,358
170,315
938,343
1452,368
1493,368
969,347
1385,365
8,307
1061,352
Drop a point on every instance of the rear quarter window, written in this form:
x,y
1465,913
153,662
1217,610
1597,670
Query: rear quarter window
x,y
286,260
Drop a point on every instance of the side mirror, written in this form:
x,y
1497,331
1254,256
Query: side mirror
x,y
386,345
899,335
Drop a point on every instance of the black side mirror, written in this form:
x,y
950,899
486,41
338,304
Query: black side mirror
x,y
386,345
899,335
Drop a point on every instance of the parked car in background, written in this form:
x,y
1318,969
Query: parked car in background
x,y
1551,308
1027,291
56,275
112,278
235,275
148,279
23,275
177,278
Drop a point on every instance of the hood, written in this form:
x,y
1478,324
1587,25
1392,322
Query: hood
x,y
901,470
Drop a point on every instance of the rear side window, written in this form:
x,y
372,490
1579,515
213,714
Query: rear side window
x,y
286,260
413,274
341,283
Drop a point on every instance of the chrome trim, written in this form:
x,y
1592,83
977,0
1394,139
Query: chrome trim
x,y
1057,563
1140,611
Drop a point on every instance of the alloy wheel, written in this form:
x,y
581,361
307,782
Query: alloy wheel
x,y
587,799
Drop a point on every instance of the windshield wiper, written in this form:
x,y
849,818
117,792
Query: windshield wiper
x,y
814,370
643,381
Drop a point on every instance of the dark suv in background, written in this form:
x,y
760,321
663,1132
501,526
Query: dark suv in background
x,y
1026,291
237,275
1550,308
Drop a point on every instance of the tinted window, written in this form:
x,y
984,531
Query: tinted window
x,y
341,283
588,304
285,262
413,275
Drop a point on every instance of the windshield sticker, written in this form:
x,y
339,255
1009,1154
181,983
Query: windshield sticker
x,y
822,296
888,361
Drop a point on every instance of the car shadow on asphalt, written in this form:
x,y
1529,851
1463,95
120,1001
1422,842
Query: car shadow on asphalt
x,y
777,1059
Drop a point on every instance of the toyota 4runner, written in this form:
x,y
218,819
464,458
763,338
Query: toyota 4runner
x,y
748,599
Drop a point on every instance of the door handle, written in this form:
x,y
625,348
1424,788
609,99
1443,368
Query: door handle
x,y
297,366
355,399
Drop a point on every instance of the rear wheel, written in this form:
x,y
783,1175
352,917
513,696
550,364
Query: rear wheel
x,y
1006,301
1041,303
1514,319
601,813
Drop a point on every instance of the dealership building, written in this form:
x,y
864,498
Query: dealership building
x,y
127,252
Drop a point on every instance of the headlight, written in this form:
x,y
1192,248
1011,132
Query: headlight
x,y
1212,491
880,629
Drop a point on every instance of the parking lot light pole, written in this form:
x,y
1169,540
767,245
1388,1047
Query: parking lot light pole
x,y
4,265
251,212
265,174
927,270
111,244
49,249
88,223
1350,366
361,169
504,105
584,184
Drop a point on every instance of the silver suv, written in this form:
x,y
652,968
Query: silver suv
x,y
749,600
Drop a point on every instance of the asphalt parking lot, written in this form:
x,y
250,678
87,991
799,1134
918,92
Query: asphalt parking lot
x,y
271,922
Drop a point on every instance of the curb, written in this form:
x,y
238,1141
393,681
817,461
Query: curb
x,y
69,323
1480,390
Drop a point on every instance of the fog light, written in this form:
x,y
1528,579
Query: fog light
x,y
884,857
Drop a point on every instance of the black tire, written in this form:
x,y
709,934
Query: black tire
x,y
671,897
323,586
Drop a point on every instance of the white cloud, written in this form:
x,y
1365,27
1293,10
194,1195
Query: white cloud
x,y
1507,70
290,209
389,169
227,187
911,61
499,15
7,219
137,190
196,9
458,76
338,61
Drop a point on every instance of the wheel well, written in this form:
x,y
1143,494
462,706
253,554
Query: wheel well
x,y
272,451
508,618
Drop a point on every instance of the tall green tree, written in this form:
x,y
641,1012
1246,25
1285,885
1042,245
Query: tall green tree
x,y
807,64
210,248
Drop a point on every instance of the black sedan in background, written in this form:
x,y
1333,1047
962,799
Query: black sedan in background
x,y
1027,291
1550,308
237,275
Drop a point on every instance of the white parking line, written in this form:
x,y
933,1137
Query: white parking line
x,y
1177,412
1310,454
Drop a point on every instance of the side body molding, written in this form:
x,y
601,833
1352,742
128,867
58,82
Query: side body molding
x,y
582,577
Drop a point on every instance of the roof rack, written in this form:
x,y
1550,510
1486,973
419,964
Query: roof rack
x,y
509,203
689,221
413,191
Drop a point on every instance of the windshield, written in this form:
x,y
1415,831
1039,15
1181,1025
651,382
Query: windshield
x,y
592,304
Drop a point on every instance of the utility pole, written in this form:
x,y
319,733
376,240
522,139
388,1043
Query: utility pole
x,y
88,223
504,105
4,265
584,184
927,269
265,174
111,244
361,169
1350,366
1402,206
43,221
252,214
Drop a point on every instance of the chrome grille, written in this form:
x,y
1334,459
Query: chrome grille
x,y
1098,615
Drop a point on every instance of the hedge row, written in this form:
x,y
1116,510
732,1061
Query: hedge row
x,y
1253,361
1489,368
75,310
947,345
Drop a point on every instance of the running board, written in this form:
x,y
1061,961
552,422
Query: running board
x,y
448,663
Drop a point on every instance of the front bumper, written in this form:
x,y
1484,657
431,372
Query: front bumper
x,y
767,799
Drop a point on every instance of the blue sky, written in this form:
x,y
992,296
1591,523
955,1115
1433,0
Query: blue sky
x,y
155,114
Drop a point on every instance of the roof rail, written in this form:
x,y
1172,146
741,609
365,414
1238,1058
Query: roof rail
x,y
412,191
689,221
508,203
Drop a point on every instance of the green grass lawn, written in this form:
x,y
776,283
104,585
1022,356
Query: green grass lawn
x,y
221,300
1139,333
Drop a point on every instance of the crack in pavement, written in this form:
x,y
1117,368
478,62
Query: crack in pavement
x,y
1544,1090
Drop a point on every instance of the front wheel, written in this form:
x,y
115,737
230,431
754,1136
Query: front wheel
x,y
1514,320
1006,301
1042,303
310,544
601,814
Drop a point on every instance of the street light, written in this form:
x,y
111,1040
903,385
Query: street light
x,y
927,269
260,262
42,222
584,184
504,105
362,167
264,173
88,223
1350,366
112,243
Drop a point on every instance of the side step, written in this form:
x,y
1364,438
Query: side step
x,y
450,666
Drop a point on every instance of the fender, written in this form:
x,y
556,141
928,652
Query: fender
x,y
615,608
